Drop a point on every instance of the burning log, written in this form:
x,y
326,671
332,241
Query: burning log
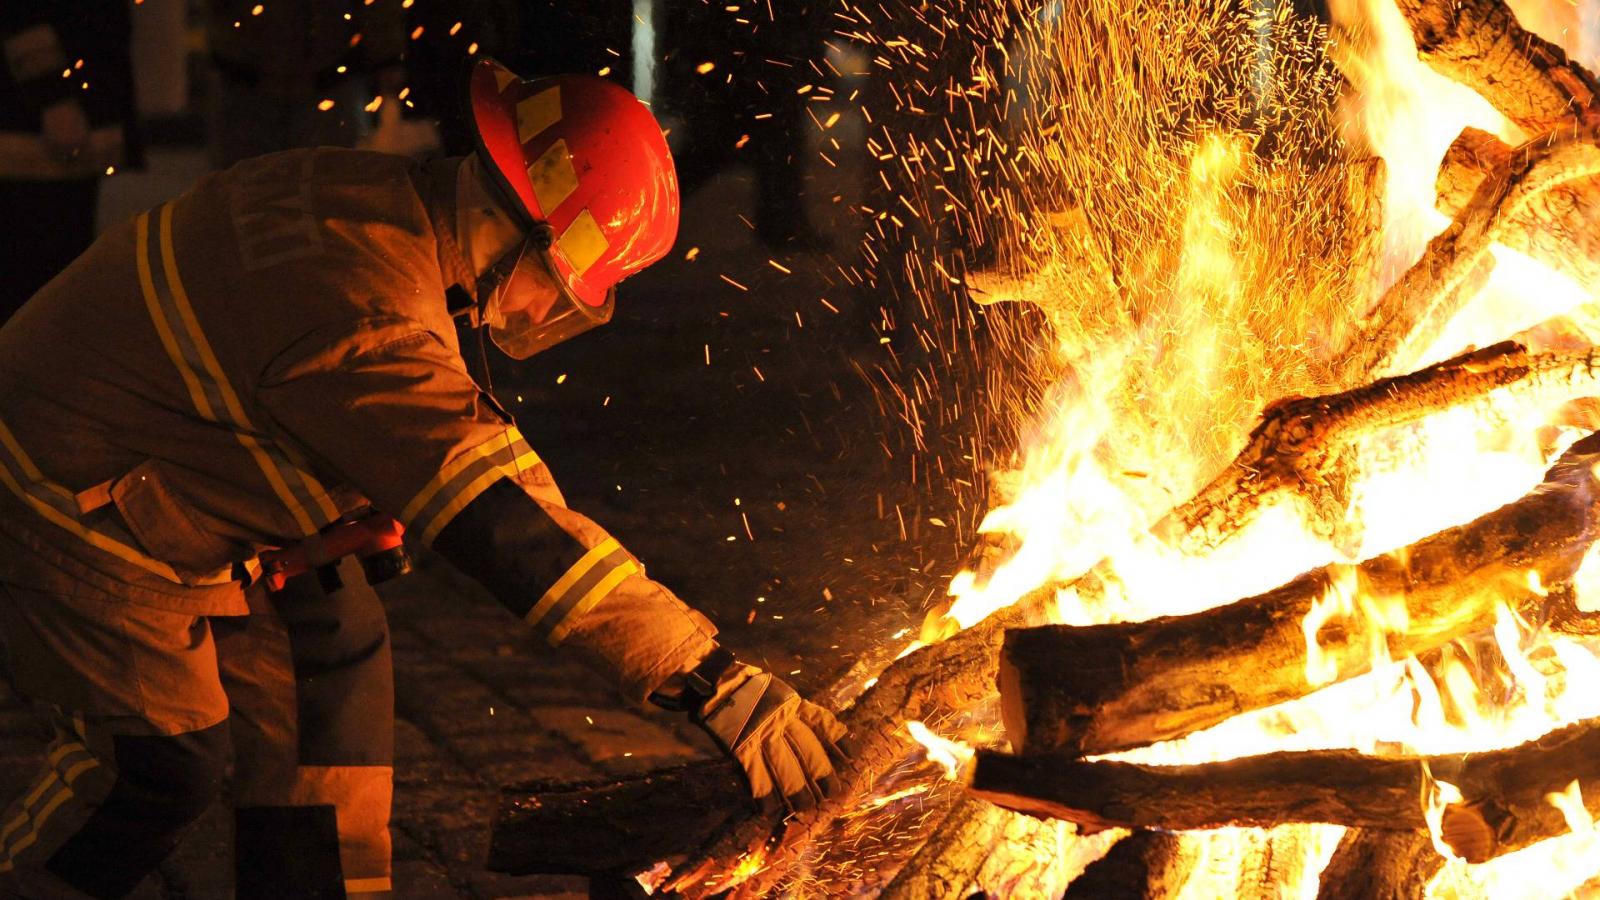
x,y
1410,314
1380,865
1102,688
1362,247
1144,864
1505,793
1560,228
1480,44
1298,447
934,681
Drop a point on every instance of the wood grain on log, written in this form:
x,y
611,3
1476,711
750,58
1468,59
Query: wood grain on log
x,y
1102,688
1480,44
1362,246
1560,228
1298,449
1505,804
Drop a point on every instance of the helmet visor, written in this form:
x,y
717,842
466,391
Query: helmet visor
x,y
519,336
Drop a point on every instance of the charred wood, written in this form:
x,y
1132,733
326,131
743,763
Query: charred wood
x,y
612,827
931,682
1505,804
544,828
948,864
1481,44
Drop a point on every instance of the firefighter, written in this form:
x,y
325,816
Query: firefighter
x,y
197,419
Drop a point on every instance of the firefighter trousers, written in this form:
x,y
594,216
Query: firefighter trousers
x,y
149,707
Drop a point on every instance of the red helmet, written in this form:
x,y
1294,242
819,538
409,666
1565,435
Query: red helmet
x,y
586,159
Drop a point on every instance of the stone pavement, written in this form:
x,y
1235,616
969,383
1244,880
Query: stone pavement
x,y
726,438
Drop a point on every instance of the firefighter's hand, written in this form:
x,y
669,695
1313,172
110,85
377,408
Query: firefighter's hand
x,y
65,129
786,744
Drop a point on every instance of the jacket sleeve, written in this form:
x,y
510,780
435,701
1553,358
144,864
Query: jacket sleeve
x,y
393,411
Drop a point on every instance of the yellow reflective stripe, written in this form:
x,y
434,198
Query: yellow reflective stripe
x,y
453,468
71,775
473,488
152,302
368,885
61,796
63,751
566,581
595,595
233,412
51,778
583,243
553,177
536,113
94,538
236,411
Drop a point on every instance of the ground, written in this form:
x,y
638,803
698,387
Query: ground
x,y
725,436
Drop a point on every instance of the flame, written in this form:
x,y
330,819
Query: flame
x,y
1438,796
1155,376
953,755
1554,868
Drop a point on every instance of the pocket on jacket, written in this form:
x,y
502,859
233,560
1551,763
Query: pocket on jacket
x,y
164,523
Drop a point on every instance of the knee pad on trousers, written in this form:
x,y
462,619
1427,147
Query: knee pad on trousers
x,y
162,785
344,677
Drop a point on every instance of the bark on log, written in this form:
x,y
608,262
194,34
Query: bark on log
x,y
1102,688
1380,865
1560,228
1480,44
1298,449
1505,804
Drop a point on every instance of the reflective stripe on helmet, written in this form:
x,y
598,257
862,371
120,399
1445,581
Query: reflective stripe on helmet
x,y
536,113
583,242
553,177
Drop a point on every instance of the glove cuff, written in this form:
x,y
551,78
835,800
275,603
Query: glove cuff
x,y
699,685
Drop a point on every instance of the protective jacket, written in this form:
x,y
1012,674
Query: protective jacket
x,y
265,353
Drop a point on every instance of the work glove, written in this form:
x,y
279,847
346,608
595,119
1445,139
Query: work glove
x,y
786,744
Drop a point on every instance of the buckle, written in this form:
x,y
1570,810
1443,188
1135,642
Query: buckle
x,y
699,684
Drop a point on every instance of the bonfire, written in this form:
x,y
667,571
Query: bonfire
x,y
1290,588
